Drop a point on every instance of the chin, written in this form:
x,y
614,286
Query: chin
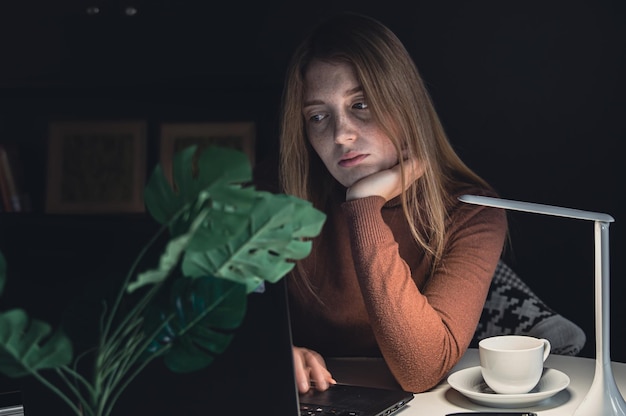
x,y
345,182
348,181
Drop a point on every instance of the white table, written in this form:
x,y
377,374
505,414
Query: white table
x,y
443,399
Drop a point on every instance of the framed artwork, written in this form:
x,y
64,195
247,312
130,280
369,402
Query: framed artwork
x,y
177,136
96,167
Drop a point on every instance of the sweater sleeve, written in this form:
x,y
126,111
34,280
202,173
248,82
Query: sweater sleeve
x,y
422,332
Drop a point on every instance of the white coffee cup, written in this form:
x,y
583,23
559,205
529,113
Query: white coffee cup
x,y
512,364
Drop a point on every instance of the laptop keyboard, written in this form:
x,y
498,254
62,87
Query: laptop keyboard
x,y
306,410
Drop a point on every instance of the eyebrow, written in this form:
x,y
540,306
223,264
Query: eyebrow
x,y
351,91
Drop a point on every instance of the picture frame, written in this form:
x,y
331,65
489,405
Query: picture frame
x,y
96,167
176,136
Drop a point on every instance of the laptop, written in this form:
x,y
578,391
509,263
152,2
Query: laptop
x,y
255,375
11,403
338,400
342,399
353,400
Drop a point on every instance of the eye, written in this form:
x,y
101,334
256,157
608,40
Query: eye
x,y
360,106
315,118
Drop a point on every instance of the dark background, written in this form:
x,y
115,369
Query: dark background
x,y
532,95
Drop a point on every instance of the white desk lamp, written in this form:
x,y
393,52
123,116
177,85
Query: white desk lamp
x,y
603,398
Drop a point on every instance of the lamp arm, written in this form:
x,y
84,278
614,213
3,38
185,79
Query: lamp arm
x,y
603,397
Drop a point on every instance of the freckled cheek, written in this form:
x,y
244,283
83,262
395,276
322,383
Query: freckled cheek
x,y
316,131
391,156
315,143
312,135
317,139
323,152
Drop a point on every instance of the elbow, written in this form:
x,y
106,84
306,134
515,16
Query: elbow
x,y
419,383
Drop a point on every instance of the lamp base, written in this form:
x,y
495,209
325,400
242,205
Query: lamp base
x,y
603,398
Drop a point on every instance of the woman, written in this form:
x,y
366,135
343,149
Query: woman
x,y
401,268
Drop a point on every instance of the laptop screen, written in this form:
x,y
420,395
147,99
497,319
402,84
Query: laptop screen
x,y
253,376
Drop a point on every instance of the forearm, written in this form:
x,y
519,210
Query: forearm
x,y
411,335
421,334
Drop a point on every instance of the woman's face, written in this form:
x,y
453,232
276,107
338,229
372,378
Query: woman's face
x,y
339,124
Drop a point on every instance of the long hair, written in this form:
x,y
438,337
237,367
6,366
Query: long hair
x,y
399,103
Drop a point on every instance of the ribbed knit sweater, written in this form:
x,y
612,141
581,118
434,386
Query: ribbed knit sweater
x,y
378,298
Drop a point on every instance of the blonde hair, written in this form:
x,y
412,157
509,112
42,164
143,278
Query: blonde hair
x,y
399,103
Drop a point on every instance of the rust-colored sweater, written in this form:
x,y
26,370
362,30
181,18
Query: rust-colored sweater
x,y
378,299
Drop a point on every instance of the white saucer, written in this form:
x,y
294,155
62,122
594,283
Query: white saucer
x,y
469,382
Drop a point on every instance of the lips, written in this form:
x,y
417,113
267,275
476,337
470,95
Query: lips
x,y
352,159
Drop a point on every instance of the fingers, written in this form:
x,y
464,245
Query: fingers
x,y
301,371
310,370
387,183
413,170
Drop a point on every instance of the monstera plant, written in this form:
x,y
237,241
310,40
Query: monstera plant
x,y
223,240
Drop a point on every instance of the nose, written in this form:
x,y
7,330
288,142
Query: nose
x,y
345,130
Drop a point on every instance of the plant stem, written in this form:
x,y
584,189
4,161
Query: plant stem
x,y
76,377
108,408
113,353
130,273
58,392
134,313
115,357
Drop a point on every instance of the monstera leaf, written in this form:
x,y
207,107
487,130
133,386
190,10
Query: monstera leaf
x,y
247,236
168,261
275,235
197,322
217,184
230,237
25,347
170,257
24,344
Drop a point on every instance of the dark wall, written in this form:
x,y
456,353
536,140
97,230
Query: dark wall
x,y
532,95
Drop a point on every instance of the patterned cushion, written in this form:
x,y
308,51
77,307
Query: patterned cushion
x,y
512,308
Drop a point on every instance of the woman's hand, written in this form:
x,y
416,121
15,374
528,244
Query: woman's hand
x,y
310,368
386,183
